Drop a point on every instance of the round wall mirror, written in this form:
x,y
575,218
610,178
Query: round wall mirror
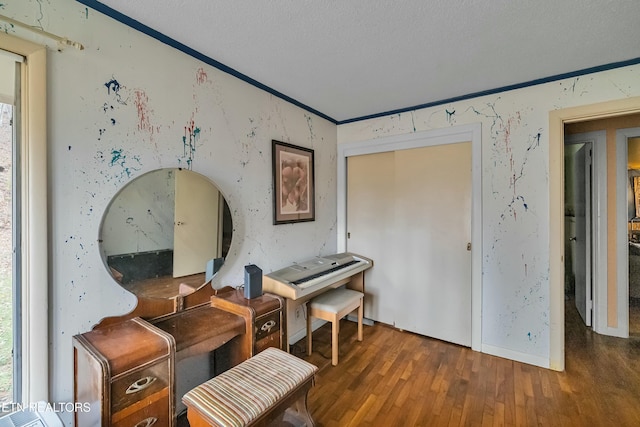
x,y
166,233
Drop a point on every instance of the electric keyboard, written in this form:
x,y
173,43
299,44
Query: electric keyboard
x,y
305,279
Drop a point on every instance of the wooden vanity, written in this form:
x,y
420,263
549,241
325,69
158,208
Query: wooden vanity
x,y
125,366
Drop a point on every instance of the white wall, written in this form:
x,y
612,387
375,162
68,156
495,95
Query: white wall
x,y
515,199
121,107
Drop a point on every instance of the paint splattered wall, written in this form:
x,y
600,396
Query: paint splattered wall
x,y
126,105
515,195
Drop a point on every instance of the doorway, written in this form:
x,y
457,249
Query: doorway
x,y
557,121
628,230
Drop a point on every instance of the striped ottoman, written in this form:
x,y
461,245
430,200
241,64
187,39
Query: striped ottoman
x,y
255,392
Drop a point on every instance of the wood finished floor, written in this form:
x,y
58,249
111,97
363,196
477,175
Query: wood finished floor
x,y
395,378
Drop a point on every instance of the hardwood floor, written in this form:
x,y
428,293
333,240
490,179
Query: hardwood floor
x,y
395,378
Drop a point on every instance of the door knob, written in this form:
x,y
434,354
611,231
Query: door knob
x,y
469,246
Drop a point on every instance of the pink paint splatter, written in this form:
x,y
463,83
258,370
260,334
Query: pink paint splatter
x,y
141,101
201,76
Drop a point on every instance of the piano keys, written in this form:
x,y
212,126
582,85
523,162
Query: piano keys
x,y
303,280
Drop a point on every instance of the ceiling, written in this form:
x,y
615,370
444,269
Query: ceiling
x,y
349,59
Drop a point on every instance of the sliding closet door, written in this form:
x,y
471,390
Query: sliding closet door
x,y
418,227
370,219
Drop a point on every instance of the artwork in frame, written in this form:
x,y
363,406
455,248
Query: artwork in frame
x,y
293,183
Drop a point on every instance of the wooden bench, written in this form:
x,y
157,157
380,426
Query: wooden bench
x,y
254,393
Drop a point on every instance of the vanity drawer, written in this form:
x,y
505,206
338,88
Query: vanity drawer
x,y
155,414
272,340
139,385
267,324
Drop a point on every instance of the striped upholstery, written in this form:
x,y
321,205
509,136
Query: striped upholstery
x,y
243,393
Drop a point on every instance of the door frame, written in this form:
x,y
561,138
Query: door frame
x,y
557,120
622,262
455,134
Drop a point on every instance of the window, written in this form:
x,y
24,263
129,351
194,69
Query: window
x,y
29,223
10,331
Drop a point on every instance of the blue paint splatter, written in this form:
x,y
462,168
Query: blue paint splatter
x,y
113,121
116,156
529,335
450,115
112,85
119,158
189,140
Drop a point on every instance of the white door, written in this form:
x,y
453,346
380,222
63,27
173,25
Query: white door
x,y
196,223
415,216
581,242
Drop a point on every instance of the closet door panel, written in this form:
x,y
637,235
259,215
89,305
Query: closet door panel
x,y
410,211
370,228
433,223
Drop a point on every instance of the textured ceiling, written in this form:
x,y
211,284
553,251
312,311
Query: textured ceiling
x,y
354,58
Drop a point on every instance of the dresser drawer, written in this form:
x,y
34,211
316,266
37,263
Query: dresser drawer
x,y
267,325
139,385
272,340
155,414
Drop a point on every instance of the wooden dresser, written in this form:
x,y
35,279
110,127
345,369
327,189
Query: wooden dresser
x,y
265,324
126,373
125,367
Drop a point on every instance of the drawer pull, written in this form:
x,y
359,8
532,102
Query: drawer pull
x,y
140,385
268,325
147,422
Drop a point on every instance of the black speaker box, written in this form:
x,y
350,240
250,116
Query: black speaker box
x,y
252,281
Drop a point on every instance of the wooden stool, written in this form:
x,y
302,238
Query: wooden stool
x,y
332,306
254,393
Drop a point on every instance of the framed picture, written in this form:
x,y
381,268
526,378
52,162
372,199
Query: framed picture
x,y
293,183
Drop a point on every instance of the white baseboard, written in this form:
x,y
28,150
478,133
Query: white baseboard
x,y
516,356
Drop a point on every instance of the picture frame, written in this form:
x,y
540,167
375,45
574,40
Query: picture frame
x,y
293,183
